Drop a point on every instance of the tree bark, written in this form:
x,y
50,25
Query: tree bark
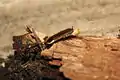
x,y
88,58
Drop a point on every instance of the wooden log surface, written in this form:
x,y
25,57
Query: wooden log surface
x,y
88,58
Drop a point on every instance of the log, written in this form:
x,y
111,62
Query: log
x,y
77,57
88,57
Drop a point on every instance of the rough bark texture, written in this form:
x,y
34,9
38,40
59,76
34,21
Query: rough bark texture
x,y
88,58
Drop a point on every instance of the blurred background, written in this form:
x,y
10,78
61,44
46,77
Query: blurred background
x,y
93,17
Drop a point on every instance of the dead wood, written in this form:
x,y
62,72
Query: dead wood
x,y
83,57
88,58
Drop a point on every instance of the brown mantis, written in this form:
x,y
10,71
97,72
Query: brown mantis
x,y
51,39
